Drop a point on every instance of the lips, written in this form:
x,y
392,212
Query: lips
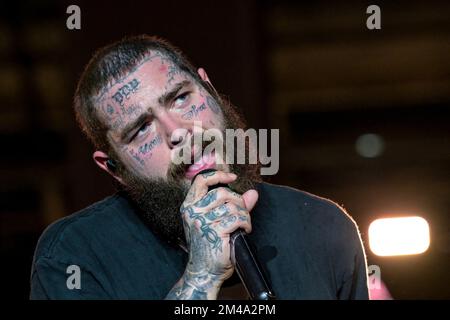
x,y
205,162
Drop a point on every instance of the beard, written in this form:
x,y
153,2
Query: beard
x,y
158,201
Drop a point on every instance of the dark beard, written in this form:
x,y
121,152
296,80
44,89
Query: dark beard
x,y
158,201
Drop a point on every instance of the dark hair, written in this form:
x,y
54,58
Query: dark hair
x,y
112,63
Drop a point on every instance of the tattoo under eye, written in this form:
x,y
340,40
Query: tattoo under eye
x,y
194,112
136,156
148,147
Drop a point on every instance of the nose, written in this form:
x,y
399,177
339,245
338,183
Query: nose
x,y
173,130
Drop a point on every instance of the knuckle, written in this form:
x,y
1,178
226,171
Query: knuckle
x,y
233,207
222,192
223,209
239,208
237,195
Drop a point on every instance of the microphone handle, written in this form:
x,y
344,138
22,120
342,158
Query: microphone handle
x,y
248,268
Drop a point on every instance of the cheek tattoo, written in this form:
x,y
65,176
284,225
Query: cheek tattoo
x,y
148,147
135,156
193,112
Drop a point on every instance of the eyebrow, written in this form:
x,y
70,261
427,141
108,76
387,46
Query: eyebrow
x,y
172,93
163,100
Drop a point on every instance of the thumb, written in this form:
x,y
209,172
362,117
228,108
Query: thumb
x,y
250,198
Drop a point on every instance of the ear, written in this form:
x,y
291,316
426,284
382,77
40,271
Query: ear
x,y
100,159
202,73
204,76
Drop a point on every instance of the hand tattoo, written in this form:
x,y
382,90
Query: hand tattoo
x,y
206,200
207,232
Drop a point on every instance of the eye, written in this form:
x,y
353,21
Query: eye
x,y
181,99
142,131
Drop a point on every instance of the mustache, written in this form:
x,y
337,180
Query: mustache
x,y
176,172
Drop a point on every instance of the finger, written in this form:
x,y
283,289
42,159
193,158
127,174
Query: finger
x,y
245,221
233,215
200,185
250,198
219,196
231,223
224,210
245,218
218,212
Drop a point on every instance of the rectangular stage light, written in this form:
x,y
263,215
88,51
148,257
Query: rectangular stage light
x,y
399,236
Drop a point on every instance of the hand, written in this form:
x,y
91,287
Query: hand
x,y
209,218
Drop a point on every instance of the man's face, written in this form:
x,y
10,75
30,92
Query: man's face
x,y
145,111
150,113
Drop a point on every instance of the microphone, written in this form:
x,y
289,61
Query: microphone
x,y
245,262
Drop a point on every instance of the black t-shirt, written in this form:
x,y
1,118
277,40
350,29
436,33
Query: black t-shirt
x,y
308,247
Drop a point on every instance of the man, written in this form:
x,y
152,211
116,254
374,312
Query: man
x,y
164,234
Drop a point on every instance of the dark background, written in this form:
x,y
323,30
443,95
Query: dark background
x,y
311,69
